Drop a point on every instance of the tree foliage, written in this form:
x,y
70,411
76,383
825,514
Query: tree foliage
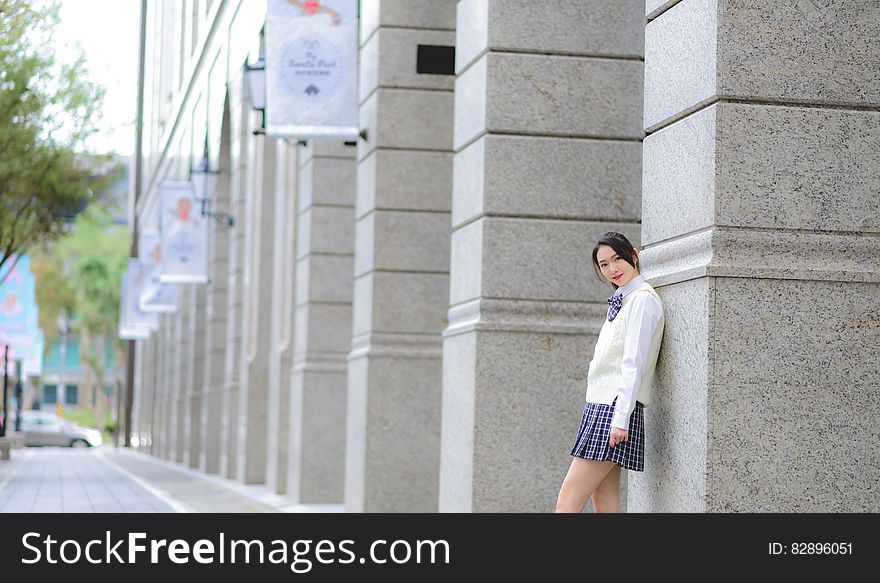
x,y
47,110
81,273
94,256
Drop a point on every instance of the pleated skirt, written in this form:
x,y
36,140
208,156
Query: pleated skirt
x,y
595,430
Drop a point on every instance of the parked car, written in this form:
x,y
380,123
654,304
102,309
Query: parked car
x,y
41,428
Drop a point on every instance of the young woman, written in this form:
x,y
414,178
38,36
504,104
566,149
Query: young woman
x,y
612,431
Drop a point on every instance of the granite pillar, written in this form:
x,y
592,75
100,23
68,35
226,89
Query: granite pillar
x,y
216,315
761,231
548,104
401,273
193,433
281,333
256,313
322,322
183,368
240,132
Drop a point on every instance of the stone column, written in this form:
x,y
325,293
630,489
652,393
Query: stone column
x,y
281,334
322,322
197,376
239,164
401,285
548,102
257,314
171,374
217,317
140,402
182,379
157,432
761,227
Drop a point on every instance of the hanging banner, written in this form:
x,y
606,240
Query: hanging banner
x,y
134,323
33,366
17,298
27,344
311,69
155,296
184,235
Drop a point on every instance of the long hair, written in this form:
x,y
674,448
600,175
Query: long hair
x,y
621,246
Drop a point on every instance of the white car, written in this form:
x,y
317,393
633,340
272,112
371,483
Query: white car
x,y
40,428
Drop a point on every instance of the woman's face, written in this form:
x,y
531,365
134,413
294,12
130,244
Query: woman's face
x,y
614,268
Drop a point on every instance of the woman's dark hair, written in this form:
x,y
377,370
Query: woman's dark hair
x,y
621,246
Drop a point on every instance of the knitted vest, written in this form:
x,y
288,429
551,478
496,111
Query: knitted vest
x,y
604,378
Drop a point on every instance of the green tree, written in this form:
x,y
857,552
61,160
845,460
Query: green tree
x,y
94,256
47,110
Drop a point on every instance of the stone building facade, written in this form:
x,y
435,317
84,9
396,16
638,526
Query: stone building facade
x,y
404,323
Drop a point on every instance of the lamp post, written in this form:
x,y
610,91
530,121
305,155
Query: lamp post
x,y
63,329
17,392
204,182
255,76
5,388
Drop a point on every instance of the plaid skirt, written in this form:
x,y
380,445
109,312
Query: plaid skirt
x,y
595,430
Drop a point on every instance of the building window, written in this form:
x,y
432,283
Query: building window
x,y
71,395
50,393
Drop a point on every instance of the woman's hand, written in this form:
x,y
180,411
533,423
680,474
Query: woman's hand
x,y
618,436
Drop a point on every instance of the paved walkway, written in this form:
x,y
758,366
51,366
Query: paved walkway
x,y
119,480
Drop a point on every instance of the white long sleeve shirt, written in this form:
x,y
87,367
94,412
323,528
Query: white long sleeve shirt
x,y
626,352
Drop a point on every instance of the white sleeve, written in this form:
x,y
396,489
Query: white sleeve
x,y
643,315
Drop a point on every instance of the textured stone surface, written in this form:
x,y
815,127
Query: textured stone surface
x,y
798,168
327,181
400,422
325,327
814,52
680,68
605,27
809,387
549,95
324,278
437,14
403,241
389,60
400,302
356,431
763,166
320,471
758,322
406,118
654,7
676,422
679,177
529,259
510,466
471,32
256,323
779,52
595,180
281,333
734,252
324,148
325,230
401,179
458,421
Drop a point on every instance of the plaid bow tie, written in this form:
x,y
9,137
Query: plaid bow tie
x,y
614,303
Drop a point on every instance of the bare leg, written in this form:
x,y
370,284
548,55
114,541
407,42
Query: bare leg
x,y
606,498
583,477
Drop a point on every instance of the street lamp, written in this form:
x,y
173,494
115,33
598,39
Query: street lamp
x,y
17,393
255,76
204,182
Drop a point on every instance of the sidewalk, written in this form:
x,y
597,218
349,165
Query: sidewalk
x,y
110,479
